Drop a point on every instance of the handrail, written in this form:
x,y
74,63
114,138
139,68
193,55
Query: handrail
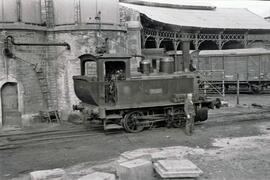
x,y
209,83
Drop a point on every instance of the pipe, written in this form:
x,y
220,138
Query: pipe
x,y
11,38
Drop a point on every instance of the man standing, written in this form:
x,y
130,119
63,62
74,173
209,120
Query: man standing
x,y
190,113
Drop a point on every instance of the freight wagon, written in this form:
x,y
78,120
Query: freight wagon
x,y
220,67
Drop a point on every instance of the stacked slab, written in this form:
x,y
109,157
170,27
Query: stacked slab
x,y
181,168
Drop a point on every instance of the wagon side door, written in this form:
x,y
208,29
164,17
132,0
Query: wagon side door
x,y
253,68
265,67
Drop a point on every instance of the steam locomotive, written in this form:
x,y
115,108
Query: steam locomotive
x,y
116,97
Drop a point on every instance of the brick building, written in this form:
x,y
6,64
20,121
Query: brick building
x,y
39,77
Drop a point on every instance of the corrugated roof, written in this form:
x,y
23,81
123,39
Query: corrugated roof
x,y
219,18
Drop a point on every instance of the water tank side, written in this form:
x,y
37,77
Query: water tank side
x,y
31,11
64,12
109,11
88,11
8,11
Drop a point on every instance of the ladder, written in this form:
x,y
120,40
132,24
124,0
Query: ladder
x,y
43,83
77,13
212,83
49,14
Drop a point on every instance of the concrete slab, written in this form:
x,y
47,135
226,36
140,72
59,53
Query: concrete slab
x,y
98,176
138,169
52,174
177,169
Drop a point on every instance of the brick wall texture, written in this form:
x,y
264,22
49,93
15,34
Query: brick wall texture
x,y
45,73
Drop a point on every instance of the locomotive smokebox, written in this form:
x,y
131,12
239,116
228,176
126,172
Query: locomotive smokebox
x,y
145,66
167,65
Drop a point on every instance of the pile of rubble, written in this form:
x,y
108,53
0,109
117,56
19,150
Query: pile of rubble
x,y
142,164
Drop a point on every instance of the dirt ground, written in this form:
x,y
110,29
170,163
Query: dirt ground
x,y
235,147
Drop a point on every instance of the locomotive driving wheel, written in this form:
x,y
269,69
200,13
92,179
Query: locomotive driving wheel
x,y
178,118
131,122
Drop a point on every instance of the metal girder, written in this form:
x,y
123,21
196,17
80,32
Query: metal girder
x,y
197,38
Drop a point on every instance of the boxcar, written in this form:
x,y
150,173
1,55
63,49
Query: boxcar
x,y
252,65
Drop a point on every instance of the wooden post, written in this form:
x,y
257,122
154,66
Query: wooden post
x,y
237,88
175,54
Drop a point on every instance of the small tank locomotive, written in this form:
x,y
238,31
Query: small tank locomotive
x,y
117,98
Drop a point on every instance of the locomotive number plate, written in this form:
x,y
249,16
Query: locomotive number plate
x,y
155,91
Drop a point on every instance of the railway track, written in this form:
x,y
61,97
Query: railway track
x,y
239,114
13,141
18,140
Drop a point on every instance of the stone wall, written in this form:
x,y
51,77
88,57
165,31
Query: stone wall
x,y
56,64
21,67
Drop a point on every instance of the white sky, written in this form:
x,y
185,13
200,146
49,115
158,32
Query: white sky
x,y
261,8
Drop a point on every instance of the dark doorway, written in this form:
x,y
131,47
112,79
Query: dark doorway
x,y
167,44
115,70
208,45
150,43
10,108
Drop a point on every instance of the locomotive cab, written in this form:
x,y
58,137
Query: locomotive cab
x,y
96,84
103,68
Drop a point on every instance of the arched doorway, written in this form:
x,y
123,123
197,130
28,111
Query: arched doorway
x,y
11,115
180,46
167,44
150,43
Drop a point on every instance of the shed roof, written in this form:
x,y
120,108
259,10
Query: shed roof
x,y
219,18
